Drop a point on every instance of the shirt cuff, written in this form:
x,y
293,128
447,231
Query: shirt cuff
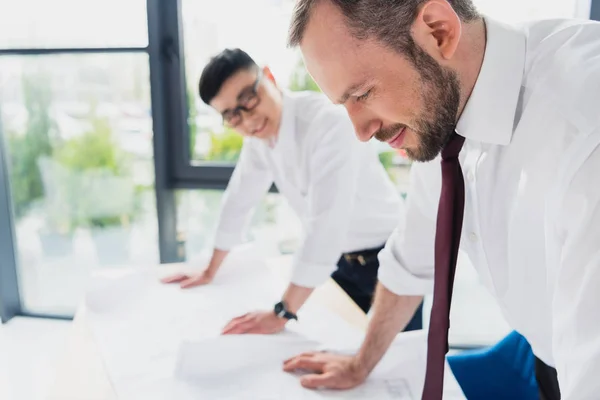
x,y
226,241
310,275
397,279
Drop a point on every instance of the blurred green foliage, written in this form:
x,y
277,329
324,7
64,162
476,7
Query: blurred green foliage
x,y
95,149
225,146
301,80
25,148
192,114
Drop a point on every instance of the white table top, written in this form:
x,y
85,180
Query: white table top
x,y
81,375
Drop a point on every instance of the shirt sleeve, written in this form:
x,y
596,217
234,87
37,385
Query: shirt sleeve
x,y
250,180
406,264
576,302
334,168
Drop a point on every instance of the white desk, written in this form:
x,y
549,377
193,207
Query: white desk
x,y
81,375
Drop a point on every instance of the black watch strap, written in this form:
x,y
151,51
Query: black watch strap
x,y
281,311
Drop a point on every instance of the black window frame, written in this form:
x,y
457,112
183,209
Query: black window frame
x,y
595,10
184,173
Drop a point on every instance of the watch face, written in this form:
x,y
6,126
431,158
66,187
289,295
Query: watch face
x,y
278,308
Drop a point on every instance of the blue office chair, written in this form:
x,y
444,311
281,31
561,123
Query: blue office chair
x,y
503,371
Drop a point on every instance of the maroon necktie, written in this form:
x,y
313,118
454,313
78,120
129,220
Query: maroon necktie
x,y
447,240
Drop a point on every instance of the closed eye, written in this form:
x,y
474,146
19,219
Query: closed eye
x,y
364,97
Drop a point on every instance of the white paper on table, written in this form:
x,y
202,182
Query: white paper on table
x,y
229,354
139,323
250,367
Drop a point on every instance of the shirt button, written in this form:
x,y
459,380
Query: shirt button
x,y
473,237
470,176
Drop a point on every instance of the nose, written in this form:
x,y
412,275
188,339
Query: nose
x,y
250,119
249,115
364,126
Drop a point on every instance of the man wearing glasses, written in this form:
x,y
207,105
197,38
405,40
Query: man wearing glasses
x,y
336,185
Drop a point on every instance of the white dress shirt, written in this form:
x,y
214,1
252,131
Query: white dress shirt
x,y
531,163
334,183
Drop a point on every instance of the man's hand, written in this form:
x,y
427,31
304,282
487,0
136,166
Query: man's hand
x,y
332,371
265,322
189,281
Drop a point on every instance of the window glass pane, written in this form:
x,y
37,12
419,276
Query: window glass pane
x,y
514,11
73,23
78,131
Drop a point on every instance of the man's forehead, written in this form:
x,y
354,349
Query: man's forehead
x,y
227,97
335,69
332,55
327,27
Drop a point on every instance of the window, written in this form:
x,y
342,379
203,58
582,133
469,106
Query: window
x,y
76,133
34,24
78,138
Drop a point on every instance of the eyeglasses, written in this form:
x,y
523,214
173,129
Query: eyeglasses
x,y
248,100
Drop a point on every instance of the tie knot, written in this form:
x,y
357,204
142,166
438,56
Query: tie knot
x,y
453,147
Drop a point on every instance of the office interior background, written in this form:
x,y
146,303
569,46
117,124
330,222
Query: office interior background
x,y
108,158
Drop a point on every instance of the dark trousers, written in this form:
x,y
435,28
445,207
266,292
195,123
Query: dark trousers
x,y
357,275
547,381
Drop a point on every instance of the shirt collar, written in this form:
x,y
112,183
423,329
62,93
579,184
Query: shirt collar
x,y
490,110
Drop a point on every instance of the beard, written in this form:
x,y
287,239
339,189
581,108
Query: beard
x,y
387,133
440,93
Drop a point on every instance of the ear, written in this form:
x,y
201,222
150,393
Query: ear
x,y
437,29
269,75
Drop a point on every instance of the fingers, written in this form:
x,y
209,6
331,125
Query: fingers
x,y
194,281
238,329
305,361
327,380
256,327
187,281
239,325
237,320
330,372
308,354
174,278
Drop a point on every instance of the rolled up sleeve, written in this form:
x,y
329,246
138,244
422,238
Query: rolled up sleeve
x,y
250,180
407,261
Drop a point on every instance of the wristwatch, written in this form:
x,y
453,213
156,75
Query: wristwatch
x,y
281,311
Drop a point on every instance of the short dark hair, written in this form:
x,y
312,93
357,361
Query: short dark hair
x,y
220,68
386,20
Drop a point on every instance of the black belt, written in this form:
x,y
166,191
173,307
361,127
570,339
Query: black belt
x,y
362,256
